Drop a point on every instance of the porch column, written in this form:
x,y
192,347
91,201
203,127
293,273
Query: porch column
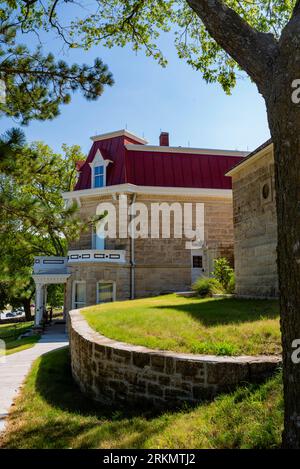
x,y
39,303
45,297
65,303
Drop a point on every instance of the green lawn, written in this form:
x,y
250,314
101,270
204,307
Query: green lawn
x,y
51,412
192,325
10,333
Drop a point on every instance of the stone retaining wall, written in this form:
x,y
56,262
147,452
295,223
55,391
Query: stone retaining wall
x,y
111,371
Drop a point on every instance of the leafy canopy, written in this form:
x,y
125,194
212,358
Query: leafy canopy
x,y
31,185
140,23
33,83
34,218
223,272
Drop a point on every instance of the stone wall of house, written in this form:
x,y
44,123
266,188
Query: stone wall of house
x,y
94,272
255,228
86,212
165,264
217,213
110,371
161,265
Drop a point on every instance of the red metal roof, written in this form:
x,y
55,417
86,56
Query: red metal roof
x,y
178,169
158,168
112,149
79,165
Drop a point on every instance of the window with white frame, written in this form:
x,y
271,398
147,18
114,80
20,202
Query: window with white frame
x,y
106,292
79,294
98,235
98,170
99,176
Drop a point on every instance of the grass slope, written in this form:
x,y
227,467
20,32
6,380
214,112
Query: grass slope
x,y
51,412
192,325
10,333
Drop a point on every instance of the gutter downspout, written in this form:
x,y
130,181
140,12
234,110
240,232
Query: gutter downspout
x,y
132,256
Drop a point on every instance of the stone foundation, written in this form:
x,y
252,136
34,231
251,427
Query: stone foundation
x,y
114,372
160,264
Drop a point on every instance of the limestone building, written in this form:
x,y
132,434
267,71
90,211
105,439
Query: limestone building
x,y
130,176
255,223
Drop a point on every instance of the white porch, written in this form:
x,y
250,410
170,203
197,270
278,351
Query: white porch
x,y
97,255
46,271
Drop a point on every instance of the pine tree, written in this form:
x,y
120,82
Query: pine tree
x,y
34,218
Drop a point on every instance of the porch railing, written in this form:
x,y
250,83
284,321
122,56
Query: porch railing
x,y
96,255
50,265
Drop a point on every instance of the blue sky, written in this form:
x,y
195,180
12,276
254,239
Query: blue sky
x,y
147,99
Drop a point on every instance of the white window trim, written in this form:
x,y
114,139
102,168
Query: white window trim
x,y
94,236
98,161
75,282
105,281
152,190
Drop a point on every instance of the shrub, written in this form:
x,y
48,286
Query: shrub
x,y
207,287
222,271
231,284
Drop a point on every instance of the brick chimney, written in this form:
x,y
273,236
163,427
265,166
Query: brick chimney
x,y
164,139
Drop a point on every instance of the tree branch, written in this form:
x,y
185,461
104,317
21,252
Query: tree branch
x,y
290,36
296,8
254,51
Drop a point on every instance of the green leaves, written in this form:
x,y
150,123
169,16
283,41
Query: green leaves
x,y
117,23
195,45
30,195
37,85
34,218
140,23
223,272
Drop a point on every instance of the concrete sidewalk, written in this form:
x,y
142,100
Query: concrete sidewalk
x,y
17,365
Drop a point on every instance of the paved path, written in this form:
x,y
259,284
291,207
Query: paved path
x,y
14,371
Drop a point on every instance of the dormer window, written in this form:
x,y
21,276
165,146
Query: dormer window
x,y
99,176
98,170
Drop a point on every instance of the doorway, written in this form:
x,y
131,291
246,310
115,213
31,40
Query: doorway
x,y
198,269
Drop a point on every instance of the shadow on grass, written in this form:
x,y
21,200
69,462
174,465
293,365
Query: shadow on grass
x,y
87,419
20,343
10,333
226,310
52,413
13,330
54,382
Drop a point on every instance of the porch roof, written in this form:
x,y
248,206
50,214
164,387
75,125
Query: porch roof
x,y
49,278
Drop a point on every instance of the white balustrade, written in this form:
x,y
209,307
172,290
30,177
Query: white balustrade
x,y
96,255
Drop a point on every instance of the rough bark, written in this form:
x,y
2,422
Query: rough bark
x,y
26,305
277,66
255,52
284,123
296,7
287,179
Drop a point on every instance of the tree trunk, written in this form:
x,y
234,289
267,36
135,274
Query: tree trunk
x,y
274,65
284,122
26,305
